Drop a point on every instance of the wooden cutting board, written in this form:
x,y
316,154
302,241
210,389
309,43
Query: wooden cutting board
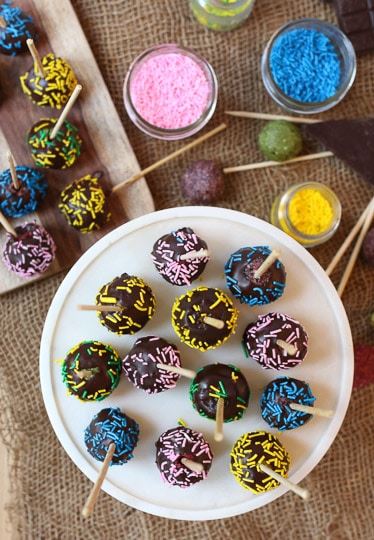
x,y
106,146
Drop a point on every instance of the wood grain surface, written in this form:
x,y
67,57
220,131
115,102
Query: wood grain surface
x,y
106,147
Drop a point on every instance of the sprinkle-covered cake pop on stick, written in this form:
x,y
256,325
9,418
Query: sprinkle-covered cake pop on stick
x,y
180,257
276,341
111,438
183,456
22,189
144,364
50,81
204,318
91,370
288,403
54,142
259,463
15,28
84,205
255,275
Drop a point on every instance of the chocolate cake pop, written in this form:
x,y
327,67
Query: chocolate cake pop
x,y
216,381
16,27
110,426
141,364
54,86
244,283
204,318
202,182
91,370
84,205
275,341
277,400
176,449
26,199
133,304
253,450
31,252
173,256
60,152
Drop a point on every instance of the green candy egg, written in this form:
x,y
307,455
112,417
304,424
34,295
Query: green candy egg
x,y
280,140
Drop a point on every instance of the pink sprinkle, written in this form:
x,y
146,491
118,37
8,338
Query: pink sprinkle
x,y
170,90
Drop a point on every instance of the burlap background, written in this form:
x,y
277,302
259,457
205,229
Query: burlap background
x,y
48,489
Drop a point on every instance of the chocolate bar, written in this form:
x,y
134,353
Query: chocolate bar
x,y
356,19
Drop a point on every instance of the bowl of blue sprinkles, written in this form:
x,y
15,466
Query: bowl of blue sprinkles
x,y
308,66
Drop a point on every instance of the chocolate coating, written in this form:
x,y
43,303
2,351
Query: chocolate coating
x,y
166,256
368,247
134,297
91,370
140,364
202,182
240,279
19,27
25,200
216,381
189,311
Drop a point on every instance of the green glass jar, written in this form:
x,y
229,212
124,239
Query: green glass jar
x,y
221,15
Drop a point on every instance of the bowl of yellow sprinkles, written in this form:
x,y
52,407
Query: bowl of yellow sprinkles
x,y
309,212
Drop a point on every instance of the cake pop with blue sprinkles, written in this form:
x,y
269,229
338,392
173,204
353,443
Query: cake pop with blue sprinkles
x,y
112,426
16,27
25,197
277,399
255,275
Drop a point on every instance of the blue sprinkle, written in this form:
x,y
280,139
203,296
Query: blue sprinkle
x,y
19,28
31,193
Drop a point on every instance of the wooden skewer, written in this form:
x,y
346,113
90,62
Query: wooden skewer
x,y
265,164
218,429
288,347
7,226
356,251
326,413
270,259
171,156
101,308
180,371
94,494
13,171
194,466
2,22
347,242
200,254
265,116
301,492
212,321
69,105
35,56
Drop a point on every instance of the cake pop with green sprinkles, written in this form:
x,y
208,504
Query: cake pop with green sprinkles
x,y
280,140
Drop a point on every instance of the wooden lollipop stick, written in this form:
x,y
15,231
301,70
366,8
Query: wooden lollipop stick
x,y
301,492
218,430
2,22
265,164
171,156
200,254
101,308
13,172
94,494
194,466
270,259
348,241
212,321
288,347
7,226
265,116
69,105
36,57
356,250
180,371
312,410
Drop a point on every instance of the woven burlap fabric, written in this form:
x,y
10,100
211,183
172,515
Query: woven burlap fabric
x,y
48,489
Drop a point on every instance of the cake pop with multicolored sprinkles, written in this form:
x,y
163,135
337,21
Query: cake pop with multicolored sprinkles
x,y
204,318
24,197
84,205
91,370
133,304
112,426
183,456
180,257
216,381
255,275
16,27
276,341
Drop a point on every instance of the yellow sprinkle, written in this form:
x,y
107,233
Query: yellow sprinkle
x,y
310,212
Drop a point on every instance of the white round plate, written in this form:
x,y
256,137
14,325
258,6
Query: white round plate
x,y
309,297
